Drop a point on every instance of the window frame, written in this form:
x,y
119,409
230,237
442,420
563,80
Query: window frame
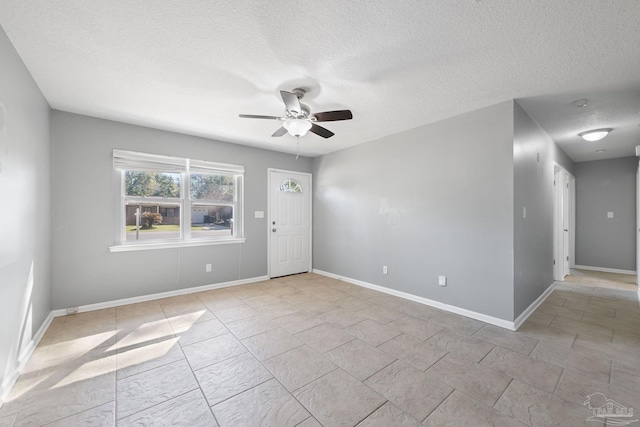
x,y
124,161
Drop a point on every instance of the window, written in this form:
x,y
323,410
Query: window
x,y
290,186
171,201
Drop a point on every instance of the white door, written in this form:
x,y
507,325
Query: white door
x,y
289,222
565,225
558,269
572,222
638,225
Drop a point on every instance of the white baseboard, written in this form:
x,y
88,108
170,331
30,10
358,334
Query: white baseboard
x,y
11,378
151,297
604,270
437,304
534,305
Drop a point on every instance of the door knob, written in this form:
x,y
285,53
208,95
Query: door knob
x,y
273,229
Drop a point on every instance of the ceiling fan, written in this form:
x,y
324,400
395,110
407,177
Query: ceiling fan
x,y
298,119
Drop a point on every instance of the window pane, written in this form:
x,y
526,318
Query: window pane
x,y
212,187
290,186
157,222
211,221
151,184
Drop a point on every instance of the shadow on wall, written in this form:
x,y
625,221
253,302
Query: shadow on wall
x,y
17,354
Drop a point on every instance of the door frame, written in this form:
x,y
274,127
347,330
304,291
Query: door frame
x,y
269,219
638,225
563,179
572,221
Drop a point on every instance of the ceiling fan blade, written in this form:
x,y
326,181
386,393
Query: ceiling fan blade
x,y
320,131
280,132
332,116
291,101
253,116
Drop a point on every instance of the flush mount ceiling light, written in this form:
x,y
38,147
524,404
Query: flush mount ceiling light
x,y
600,151
595,135
297,127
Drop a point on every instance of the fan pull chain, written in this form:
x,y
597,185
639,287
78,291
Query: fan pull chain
x,y
297,147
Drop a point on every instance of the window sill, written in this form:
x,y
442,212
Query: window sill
x,y
171,245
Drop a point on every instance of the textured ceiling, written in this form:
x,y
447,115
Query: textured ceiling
x,y
193,66
615,108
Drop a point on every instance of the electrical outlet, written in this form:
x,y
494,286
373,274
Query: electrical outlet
x,y
208,268
72,310
385,270
442,280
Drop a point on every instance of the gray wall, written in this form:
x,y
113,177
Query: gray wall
x,y
84,271
534,153
435,200
25,217
606,186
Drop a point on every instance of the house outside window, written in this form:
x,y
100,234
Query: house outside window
x,y
170,201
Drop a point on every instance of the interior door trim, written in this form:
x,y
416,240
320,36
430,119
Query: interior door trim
x,y
269,219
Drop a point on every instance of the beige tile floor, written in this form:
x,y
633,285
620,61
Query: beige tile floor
x,y
307,350
603,280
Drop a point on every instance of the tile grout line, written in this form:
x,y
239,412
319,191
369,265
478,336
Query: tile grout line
x,y
439,405
115,389
383,368
575,338
160,403
558,381
244,391
369,414
445,355
298,400
74,414
502,394
204,396
534,349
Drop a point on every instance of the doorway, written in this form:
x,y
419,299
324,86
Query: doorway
x,y
563,223
289,222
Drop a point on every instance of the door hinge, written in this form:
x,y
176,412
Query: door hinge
x,y
567,185
554,182
567,258
554,262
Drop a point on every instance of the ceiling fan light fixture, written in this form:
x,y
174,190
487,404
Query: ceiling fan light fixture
x,y
580,103
595,134
297,127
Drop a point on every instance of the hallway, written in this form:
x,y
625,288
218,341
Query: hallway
x,y
599,279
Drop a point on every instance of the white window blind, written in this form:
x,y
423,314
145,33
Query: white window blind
x,y
201,166
132,160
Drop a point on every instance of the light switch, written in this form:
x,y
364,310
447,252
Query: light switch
x,y
609,214
259,214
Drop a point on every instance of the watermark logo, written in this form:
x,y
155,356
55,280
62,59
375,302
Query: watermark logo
x,y
608,411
